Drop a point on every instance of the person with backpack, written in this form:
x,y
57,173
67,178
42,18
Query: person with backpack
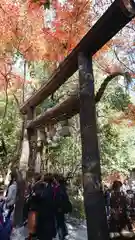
x,y
30,208
43,205
10,197
27,198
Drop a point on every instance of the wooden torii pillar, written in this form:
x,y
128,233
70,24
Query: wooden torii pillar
x,y
93,195
29,147
26,167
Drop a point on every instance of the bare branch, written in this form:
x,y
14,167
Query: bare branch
x,y
16,100
119,60
103,86
6,102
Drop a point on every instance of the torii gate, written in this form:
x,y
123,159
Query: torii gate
x,y
115,18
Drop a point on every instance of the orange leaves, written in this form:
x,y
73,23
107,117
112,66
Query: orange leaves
x,y
24,28
36,4
132,75
21,30
8,19
32,42
9,79
131,112
5,70
127,117
34,8
104,49
33,5
68,27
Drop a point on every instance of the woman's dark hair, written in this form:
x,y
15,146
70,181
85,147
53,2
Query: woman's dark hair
x,y
60,178
48,178
13,178
56,176
116,185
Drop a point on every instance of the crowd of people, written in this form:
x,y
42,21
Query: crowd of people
x,y
7,203
120,206
46,203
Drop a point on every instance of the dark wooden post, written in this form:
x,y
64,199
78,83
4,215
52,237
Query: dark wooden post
x,y
18,213
93,196
32,138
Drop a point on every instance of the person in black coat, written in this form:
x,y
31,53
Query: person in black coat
x,y
43,203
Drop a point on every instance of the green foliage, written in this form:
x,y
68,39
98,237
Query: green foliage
x,y
114,140
78,207
48,103
109,140
39,71
9,129
117,147
119,99
65,157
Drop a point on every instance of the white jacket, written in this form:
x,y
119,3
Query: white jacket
x,y
11,196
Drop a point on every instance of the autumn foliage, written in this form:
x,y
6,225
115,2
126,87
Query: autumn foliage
x,y
21,33
39,3
114,176
25,29
70,24
128,117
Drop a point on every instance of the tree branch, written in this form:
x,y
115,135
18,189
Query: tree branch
x,y
16,100
121,62
103,86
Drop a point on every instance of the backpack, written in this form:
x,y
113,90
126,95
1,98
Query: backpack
x,y
63,201
67,206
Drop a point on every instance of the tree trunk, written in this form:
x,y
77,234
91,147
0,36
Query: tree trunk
x,y
93,195
32,138
23,166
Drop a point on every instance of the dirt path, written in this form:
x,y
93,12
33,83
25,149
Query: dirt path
x,y
76,232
